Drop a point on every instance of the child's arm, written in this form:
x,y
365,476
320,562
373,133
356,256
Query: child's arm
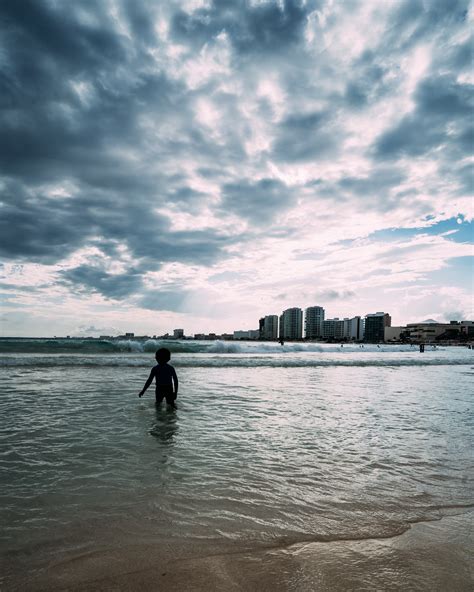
x,y
147,383
175,382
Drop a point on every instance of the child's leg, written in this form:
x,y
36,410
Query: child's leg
x,y
170,397
159,396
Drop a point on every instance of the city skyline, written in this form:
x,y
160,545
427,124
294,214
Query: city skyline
x,y
199,164
271,328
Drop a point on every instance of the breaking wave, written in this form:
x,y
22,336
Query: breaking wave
x,y
131,353
120,346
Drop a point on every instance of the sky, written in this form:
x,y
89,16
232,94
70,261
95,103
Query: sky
x,y
199,164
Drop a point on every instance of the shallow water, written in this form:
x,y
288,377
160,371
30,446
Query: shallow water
x,y
268,445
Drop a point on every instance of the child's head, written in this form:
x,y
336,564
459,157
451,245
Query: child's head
x,y
163,355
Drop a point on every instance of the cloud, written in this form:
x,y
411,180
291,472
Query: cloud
x,y
266,27
38,229
87,330
305,138
329,295
381,180
369,81
206,157
415,20
115,286
456,315
443,110
164,299
258,202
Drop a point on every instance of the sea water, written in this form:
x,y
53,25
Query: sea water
x,y
269,444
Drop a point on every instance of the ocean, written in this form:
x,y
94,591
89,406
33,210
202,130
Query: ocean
x,y
298,467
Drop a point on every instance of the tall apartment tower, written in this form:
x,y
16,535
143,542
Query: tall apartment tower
x,y
313,322
269,328
375,326
291,324
355,329
333,329
261,323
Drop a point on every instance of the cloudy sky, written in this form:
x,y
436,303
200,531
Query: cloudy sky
x,y
198,164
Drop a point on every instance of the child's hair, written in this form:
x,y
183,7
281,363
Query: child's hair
x,y
163,355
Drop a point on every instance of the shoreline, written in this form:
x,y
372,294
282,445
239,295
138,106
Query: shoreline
x,y
431,555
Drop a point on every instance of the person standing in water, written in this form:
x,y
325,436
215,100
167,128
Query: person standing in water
x,y
165,379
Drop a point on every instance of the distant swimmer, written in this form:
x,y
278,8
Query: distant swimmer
x,y
281,341
422,348
165,379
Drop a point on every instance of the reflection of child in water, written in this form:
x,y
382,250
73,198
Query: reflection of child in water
x,y
165,378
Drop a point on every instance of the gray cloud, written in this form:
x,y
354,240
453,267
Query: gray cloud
x,y
165,299
455,315
415,20
251,28
75,94
331,295
441,119
378,190
85,330
380,180
443,106
258,202
305,137
465,177
93,279
322,295
38,229
368,80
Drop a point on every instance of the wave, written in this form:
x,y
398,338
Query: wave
x,y
90,346
49,361
119,346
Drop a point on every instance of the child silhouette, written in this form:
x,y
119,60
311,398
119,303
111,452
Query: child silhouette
x,y
165,379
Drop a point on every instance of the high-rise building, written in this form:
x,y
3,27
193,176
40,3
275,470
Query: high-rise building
x,y
261,323
375,326
313,322
333,329
291,324
178,333
355,329
269,327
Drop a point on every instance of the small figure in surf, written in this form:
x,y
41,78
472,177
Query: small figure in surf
x,y
165,379
281,341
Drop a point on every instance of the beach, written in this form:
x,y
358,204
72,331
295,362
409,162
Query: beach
x,y
303,467
430,556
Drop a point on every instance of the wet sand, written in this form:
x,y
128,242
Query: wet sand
x,y
432,556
